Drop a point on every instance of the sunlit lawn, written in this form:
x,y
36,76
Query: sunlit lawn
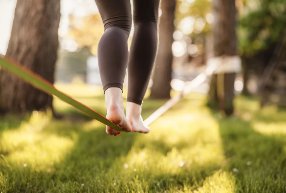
x,y
189,149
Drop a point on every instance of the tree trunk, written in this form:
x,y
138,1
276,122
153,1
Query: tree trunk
x,y
221,94
33,43
213,95
163,67
245,76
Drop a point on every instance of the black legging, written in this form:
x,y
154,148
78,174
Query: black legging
x,y
113,49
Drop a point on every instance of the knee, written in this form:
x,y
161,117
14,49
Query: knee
x,y
123,22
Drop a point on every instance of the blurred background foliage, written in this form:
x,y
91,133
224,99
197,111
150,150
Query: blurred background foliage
x,y
261,24
259,29
193,18
86,31
191,8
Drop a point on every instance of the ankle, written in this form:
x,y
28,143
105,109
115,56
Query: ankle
x,y
113,98
133,110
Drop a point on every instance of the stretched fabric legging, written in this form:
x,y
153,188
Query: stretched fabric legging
x,y
113,50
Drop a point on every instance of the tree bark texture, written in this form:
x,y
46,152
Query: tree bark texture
x,y
33,43
163,66
221,94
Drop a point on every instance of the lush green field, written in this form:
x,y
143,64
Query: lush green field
x,y
189,149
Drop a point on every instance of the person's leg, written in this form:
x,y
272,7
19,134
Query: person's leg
x,y
113,56
141,59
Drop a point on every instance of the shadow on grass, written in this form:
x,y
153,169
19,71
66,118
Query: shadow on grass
x,y
189,176
83,168
257,160
251,106
11,122
90,158
80,168
96,162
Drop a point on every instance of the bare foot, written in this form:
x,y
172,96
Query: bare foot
x,y
134,117
115,111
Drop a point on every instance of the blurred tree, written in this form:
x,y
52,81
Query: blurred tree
x,y
86,31
221,94
194,8
273,81
34,43
163,66
192,23
261,26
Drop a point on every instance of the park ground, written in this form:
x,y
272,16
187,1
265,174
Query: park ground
x,y
189,149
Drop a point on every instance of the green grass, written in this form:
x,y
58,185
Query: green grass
x,y
189,149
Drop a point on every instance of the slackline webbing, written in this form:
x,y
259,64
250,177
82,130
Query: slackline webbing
x,y
197,81
42,84
201,78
